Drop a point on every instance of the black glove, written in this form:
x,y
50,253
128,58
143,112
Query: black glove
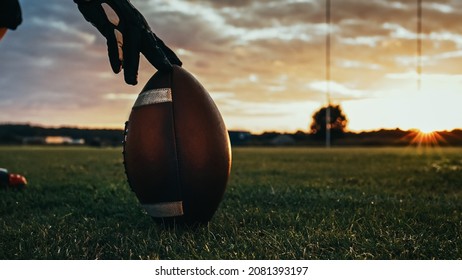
x,y
127,34
10,14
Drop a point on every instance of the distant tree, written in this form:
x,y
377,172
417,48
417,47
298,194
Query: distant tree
x,y
337,124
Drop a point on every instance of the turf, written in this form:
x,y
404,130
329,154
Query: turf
x,y
281,203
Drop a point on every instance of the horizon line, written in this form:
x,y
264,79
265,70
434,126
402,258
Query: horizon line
x,y
83,127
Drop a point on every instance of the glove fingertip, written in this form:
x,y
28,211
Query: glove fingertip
x,y
116,67
131,80
131,73
176,62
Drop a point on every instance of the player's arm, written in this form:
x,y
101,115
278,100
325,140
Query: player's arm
x,y
10,14
127,34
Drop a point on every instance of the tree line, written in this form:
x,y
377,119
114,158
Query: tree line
x,y
14,134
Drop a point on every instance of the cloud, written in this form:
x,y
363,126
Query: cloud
x,y
250,55
337,91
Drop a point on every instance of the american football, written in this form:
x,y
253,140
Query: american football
x,y
177,153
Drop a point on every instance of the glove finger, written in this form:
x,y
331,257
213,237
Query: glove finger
x,y
171,56
131,58
114,48
154,53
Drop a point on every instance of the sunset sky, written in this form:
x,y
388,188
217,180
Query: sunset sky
x,y
262,61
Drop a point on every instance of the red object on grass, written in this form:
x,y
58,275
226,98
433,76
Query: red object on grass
x,y
11,181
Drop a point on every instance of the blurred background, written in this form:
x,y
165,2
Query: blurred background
x,y
263,62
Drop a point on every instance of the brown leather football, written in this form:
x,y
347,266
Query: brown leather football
x,y
177,153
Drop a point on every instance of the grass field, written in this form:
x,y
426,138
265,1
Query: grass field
x,y
281,203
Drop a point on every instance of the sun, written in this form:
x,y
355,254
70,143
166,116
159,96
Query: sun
x,y
428,138
426,130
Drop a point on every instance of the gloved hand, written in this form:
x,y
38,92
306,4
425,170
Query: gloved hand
x,y
127,34
10,14
11,181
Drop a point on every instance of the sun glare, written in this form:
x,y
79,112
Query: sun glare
x,y
426,131
426,138
433,107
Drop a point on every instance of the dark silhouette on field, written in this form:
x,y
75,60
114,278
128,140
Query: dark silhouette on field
x,y
337,122
16,134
